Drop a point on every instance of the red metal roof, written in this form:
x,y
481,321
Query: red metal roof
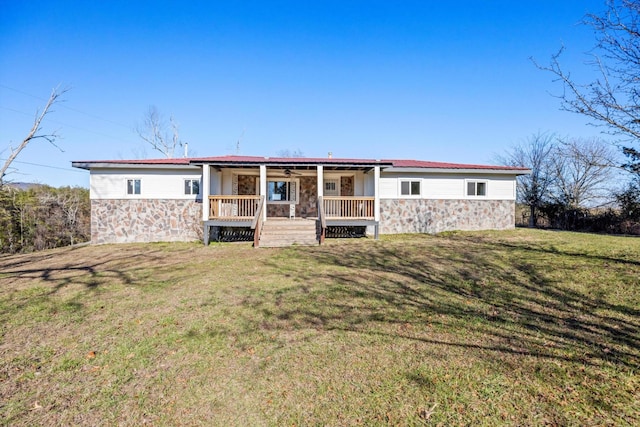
x,y
231,159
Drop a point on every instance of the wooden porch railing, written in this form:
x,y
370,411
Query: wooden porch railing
x,y
348,207
233,207
323,220
256,225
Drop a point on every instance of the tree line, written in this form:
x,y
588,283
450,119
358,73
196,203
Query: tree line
x,y
575,184
587,184
43,217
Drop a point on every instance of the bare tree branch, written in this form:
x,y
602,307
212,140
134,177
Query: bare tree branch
x,y
582,171
161,136
612,100
55,97
534,153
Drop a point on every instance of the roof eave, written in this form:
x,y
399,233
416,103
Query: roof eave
x,y
107,165
289,164
499,171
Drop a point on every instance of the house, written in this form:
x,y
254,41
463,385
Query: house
x,y
271,198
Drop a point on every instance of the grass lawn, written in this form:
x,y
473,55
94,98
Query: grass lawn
x,y
519,327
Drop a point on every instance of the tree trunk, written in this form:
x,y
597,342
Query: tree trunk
x,y
532,216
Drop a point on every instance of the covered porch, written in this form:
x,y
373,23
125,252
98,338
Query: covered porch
x,y
248,194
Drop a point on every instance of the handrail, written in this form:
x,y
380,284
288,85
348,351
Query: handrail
x,y
256,225
323,220
258,217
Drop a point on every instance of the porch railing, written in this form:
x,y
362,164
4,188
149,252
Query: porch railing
x,y
323,220
233,207
256,225
348,207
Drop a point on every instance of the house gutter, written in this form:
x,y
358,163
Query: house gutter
x,y
497,171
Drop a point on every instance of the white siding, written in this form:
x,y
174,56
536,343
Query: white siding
x,y
503,188
155,183
443,188
368,184
448,186
215,182
388,188
227,181
359,184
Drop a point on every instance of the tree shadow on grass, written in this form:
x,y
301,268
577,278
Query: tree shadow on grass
x,y
54,271
491,296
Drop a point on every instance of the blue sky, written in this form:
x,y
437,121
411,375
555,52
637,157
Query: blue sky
x,y
428,80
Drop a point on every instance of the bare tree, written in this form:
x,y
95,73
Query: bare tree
x,y
162,136
34,133
612,100
534,153
582,171
297,153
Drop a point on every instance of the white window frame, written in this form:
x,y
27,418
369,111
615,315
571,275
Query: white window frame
x,y
296,181
335,181
126,187
410,181
476,182
190,181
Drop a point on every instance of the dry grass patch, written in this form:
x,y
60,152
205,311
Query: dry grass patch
x,y
521,327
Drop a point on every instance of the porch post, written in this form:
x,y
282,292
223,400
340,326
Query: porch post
x,y
376,193
320,181
263,189
206,190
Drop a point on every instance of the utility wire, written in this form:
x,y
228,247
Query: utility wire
x,y
64,106
68,125
46,166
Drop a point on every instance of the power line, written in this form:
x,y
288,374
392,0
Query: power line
x,y
68,125
45,166
64,106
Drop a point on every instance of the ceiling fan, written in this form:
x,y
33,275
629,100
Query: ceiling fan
x,y
288,172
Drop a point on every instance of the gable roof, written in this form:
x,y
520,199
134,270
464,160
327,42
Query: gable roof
x,y
239,161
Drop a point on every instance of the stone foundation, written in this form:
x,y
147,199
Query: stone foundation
x,y
126,221
435,216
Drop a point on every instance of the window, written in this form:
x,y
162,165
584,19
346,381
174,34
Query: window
x,y
476,188
192,186
133,186
409,188
282,191
332,187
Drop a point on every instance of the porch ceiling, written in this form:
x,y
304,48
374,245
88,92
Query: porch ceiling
x,y
296,167
301,163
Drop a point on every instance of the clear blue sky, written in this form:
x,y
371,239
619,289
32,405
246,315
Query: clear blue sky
x,y
428,80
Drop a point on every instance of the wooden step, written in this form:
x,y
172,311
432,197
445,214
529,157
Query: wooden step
x,y
279,233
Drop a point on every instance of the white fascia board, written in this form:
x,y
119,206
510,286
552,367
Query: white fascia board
x,y
113,167
459,171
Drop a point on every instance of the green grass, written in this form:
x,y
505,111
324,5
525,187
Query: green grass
x,y
520,327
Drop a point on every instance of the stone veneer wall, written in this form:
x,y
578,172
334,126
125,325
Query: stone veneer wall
x,y
247,185
435,216
308,206
346,186
125,221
